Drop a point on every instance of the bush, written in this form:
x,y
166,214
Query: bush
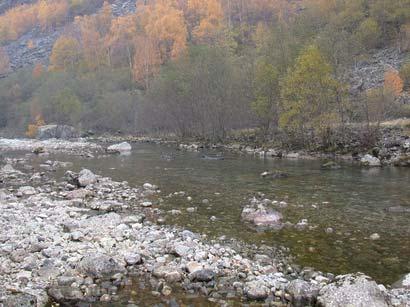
x,y
405,74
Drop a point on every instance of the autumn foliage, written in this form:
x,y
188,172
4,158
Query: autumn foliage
x,y
33,128
4,61
393,83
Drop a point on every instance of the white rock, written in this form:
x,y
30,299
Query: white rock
x,y
369,160
119,148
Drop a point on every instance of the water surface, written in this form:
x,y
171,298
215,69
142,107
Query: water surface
x,y
350,200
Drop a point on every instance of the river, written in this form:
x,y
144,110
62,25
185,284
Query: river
x,y
351,201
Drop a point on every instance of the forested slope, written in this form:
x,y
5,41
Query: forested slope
x,y
300,69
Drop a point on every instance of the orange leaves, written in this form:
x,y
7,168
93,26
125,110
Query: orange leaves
x,y
38,70
392,82
147,60
164,23
52,13
33,128
17,21
20,19
206,18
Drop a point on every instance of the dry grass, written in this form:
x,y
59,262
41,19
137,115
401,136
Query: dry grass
x,y
400,122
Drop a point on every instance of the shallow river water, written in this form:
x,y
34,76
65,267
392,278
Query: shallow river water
x,y
351,200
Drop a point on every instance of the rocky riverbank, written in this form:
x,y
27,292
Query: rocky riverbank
x,y
393,148
78,147
81,239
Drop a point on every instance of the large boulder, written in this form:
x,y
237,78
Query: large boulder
x,y
19,299
303,293
123,147
57,132
86,177
99,266
352,290
256,290
369,160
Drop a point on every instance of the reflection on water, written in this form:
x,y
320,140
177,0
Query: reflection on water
x,y
350,200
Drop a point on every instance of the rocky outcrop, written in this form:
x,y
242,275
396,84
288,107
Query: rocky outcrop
x,y
352,290
78,147
369,73
57,132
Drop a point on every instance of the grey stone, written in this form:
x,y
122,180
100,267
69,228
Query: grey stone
x,y
256,290
101,266
20,300
302,292
119,148
56,132
86,177
352,290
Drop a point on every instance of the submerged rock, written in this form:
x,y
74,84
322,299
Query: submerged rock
x,y
274,175
261,216
331,165
403,161
119,148
352,290
398,209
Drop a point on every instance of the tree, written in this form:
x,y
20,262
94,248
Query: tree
x,y
4,62
393,83
310,95
67,107
121,38
52,13
267,94
65,54
405,74
38,70
164,23
206,18
369,34
147,60
33,128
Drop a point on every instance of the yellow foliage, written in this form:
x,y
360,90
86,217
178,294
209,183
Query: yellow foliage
x,y
164,23
33,128
65,54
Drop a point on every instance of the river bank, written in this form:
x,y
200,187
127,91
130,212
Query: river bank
x,y
89,234
392,147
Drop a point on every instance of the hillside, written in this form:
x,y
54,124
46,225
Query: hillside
x,y
35,46
294,70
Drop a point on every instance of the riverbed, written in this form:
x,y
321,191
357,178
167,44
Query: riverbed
x,y
343,207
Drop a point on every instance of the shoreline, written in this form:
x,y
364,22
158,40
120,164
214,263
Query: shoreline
x,y
90,231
